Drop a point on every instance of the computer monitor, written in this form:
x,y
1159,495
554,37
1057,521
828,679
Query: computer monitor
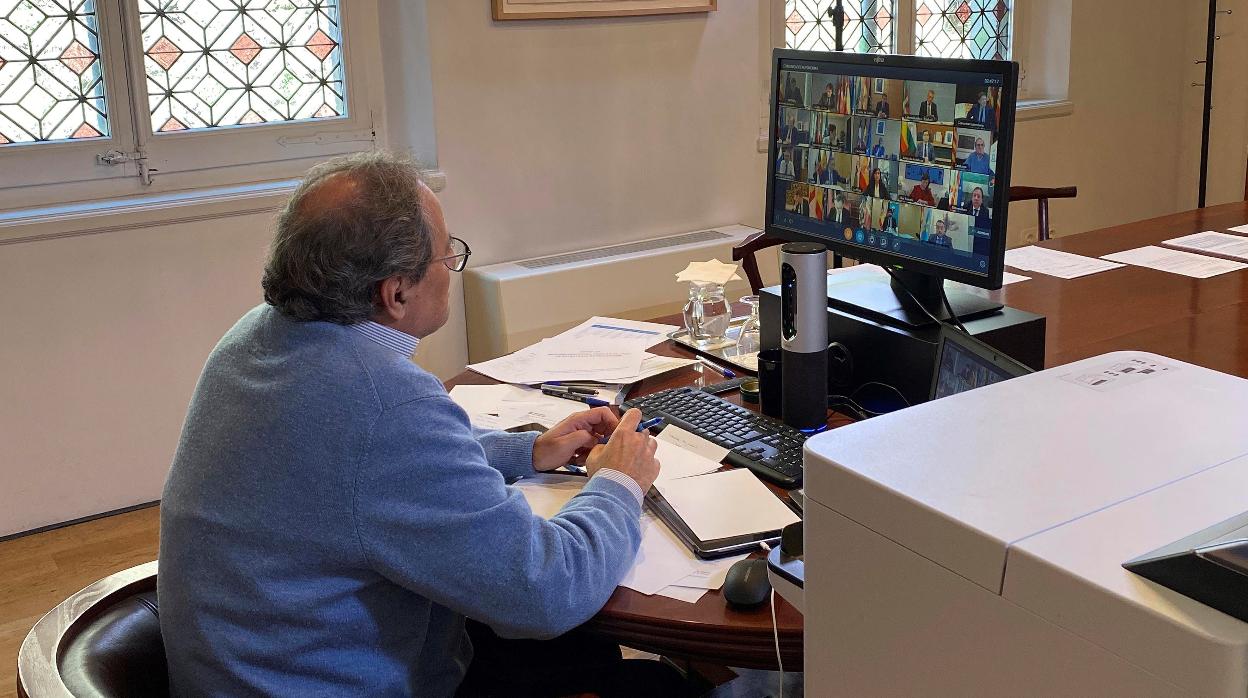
x,y
964,363
902,161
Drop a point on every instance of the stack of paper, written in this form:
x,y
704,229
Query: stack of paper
x,y
1232,247
1063,265
600,349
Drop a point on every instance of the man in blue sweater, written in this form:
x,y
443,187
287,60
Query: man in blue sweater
x,y
331,519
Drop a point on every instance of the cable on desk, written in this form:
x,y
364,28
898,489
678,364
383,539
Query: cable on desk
x,y
775,631
945,298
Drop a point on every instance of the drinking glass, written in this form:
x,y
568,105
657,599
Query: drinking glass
x,y
750,339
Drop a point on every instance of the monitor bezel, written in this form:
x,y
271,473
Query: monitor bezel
x,y
1008,70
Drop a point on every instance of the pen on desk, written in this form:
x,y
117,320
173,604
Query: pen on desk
x,y
649,424
569,389
726,373
591,401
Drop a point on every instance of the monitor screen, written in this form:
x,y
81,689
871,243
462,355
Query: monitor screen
x,y
904,160
964,364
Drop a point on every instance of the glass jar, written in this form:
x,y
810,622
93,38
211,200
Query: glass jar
x,y
707,314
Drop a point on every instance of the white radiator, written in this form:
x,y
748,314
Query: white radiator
x,y
513,304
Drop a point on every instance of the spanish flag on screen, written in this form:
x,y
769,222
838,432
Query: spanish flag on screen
x,y
816,202
864,173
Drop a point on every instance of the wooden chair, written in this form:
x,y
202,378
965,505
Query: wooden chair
x,y
1041,196
745,250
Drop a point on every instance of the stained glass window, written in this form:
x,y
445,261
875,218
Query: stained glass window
x,y
962,28
868,25
51,79
213,63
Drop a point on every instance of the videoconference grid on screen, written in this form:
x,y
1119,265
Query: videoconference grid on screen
x,y
906,166
961,370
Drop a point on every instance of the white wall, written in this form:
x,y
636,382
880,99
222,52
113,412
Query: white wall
x,y
1121,144
558,135
104,337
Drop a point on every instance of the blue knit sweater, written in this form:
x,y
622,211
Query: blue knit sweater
x,y
331,517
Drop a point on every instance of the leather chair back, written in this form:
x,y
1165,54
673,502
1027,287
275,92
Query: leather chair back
x,y
102,642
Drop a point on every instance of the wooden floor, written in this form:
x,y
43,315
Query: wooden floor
x,y
39,571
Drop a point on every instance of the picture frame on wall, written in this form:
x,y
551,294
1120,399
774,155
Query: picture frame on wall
x,y
565,9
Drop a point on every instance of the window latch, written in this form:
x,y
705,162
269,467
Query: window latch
x,y
114,158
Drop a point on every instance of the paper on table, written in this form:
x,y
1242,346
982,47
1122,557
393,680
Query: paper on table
x,y
570,357
547,493
661,560
686,594
1214,243
1241,229
1063,265
710,574
507,406
676,436
619,331
1176,262
676,462
726,504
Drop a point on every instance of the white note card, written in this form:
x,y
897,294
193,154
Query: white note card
x,y
726,504
1176,262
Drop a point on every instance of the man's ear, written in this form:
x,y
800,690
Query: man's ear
x,y
392,300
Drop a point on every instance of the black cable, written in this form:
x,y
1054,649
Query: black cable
x,y
945,298
952,315
860,412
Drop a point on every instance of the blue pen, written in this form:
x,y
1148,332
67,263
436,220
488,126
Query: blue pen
x,y
726,373
650,424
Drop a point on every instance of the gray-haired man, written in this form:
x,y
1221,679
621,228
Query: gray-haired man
x,y
331,518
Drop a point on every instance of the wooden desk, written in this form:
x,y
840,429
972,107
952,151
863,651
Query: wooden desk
x,y
1202,321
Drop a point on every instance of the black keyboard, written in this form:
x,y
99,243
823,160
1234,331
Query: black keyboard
x,y
765,445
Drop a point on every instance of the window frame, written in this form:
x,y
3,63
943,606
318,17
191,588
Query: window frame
x,y
67,171
73,161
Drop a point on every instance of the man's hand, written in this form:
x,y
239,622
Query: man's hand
x,y
629,451
571,440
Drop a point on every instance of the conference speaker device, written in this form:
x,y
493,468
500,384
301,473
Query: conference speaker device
x,y
804,335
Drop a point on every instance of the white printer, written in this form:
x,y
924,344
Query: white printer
x,y
973,545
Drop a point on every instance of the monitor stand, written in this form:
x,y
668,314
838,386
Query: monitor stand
x,y
877,297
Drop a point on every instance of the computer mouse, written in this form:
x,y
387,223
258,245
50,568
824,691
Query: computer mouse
x,y
747,584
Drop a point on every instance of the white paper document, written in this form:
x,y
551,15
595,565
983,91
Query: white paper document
x,y
693,443
619,332
686,594
1214,243
676,462
507,406
661,560
579,359
1063,265
1241,229
710,574
726,504
1176,262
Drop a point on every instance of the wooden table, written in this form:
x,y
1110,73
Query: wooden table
x,y
1201,321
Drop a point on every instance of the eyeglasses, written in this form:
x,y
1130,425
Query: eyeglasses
x,y
458,259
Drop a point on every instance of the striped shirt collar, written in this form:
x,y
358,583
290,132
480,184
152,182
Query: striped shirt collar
x,y
387,337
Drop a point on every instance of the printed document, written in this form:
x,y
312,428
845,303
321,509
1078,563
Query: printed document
x,y
1176,262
